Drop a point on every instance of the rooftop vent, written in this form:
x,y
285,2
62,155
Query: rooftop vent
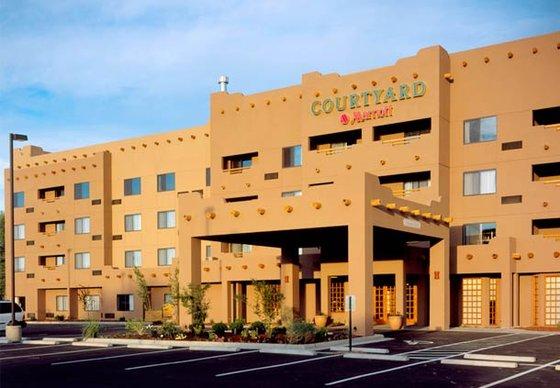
x,y
223,81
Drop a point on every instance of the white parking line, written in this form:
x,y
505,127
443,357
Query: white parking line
x,y
119,356
190,360
458,343
29,347
436,359
53,354
520,374
277,365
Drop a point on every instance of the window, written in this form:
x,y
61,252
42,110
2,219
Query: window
x,y
295,193
208,176
125,302
547,172
476,234
19,199
132,222
19,264
241,248
239,162
166,256
403,131
166,182
62,303
167,298
19,232
132,186
479,182
82,260
336,294
291,156
166,219
59,260
82,225
92,302
81,190
133,259
335,142
479,130
242,199
546,116
208,254
50,194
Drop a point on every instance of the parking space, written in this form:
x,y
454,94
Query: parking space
x,y
69,366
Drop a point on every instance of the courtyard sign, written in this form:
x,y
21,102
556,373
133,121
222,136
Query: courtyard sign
x,y
365,99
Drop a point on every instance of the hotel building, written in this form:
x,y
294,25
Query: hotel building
x,y
430,187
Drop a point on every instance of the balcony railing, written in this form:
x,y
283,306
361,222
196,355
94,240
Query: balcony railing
x,y
334,150
404,192
236,170
401,141
555,182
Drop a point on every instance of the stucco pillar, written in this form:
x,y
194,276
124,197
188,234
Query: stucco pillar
x,y
515,306
400,290
360,278
189,272
506,299
439,286
289,282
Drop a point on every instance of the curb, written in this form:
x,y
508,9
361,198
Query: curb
x,y
499,357
384,357
294,352
92,344
490,364
359,350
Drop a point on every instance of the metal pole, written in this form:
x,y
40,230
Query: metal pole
x,y
12,253
350,324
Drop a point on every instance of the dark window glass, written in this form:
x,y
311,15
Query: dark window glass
x,y
81,190
479,130
125,302
132,186
291,156
166,182
19,199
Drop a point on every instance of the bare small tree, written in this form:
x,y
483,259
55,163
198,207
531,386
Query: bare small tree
x,y
83,298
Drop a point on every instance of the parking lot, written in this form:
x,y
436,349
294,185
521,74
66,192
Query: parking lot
x,y
70,366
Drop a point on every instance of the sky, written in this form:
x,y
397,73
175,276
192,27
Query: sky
x,y
77,72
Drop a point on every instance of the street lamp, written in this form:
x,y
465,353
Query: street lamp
x,y
13,334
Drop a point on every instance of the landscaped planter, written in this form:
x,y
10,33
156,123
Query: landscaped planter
x,y
395,322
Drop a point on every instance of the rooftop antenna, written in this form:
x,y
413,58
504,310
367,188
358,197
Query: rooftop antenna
x,y
223,81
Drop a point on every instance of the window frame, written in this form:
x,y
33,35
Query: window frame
x,y
290,155
167,218
136,257
168,260
480,171
131,182
135,224
480,231
80,221
92,303
480,135
17,198
79,258
20,228
129,302
79,193
18,267
162,182
64,299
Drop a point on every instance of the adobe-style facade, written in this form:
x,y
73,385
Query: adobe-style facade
x,y
429,188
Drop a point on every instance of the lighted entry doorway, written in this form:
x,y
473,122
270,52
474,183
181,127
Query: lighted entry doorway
x,y
384,297
480,301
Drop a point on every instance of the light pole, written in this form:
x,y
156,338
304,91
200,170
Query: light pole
x,y
15,332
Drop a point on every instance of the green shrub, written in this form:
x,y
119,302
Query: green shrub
x,y
91,329
301,332
135,326
248,334
276,331
321,334
259,327
169,330
219,329
236,326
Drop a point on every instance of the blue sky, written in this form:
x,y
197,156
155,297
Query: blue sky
x,y
76,72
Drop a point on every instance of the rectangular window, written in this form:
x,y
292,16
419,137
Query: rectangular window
x,y
132,186
477,234
19,232
241,248
62,303
208,176
125,302
50,194
59,260
336,294
166,256
208,254
479,130
82,225
166,219
19,199
132,222
82,260
295,193
81,190
132,259
479,182
19,264
92,303
239,162
291,156
166,182
546,116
